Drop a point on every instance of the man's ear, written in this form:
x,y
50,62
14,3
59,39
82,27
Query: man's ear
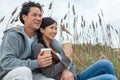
x,y
24,17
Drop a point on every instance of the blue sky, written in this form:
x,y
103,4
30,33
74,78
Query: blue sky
x,y
88,8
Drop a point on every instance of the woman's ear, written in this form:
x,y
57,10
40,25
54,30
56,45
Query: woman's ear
x,y
41,30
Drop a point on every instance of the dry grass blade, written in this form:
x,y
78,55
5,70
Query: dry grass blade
x,y
2,19
109,35
90,27
96,25
84,23
96,39
73,10
68,4
116,31
61,21
14,11
16,19
76,37
50,6
112,27
66,25
102,13
100,21
74,23
65,16
108,26
12,20
93,25
82,18
64,29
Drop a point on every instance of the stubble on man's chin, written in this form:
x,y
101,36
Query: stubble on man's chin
x,y
36,28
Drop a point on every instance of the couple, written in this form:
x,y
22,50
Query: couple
x,y
21,58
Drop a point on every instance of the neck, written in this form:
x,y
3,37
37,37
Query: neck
x,y
29,32
46,41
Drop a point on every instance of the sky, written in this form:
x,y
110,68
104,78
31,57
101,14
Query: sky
x,y
87,8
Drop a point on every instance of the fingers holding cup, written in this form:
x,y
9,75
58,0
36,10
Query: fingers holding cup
x,y
67,48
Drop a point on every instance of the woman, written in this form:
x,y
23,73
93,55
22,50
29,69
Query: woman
x,y
46,34
101,70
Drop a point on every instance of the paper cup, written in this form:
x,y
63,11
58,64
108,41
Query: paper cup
x,y
67,45
46,50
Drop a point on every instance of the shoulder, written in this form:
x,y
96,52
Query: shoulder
x,y
56,45
38,46
14,31
10,34
55,42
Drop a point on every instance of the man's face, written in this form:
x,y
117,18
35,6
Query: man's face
x,y
33,19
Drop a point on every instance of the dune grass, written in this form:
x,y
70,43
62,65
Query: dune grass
x,y
87,54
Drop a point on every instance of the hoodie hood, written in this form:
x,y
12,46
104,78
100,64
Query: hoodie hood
x,y
18,29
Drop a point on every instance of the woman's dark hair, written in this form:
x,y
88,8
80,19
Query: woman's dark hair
x,y
26,8
46,21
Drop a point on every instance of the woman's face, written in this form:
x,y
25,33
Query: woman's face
x,y
49,32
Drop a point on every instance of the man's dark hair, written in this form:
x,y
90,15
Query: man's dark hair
x,y
26,8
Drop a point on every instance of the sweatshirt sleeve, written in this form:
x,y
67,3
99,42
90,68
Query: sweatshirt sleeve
x,y
36,49
58,48
12,55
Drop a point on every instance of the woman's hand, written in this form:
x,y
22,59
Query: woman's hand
x,y
67,75
44,60
68,52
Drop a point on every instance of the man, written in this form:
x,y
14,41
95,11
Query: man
x,y
16,62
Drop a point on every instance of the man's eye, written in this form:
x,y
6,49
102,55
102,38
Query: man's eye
x,y
40,16
55,28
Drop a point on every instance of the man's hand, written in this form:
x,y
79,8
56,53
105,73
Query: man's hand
x,y
44,60
67,75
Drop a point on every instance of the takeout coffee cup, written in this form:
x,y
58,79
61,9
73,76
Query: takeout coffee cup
x,y
67,45
46,50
